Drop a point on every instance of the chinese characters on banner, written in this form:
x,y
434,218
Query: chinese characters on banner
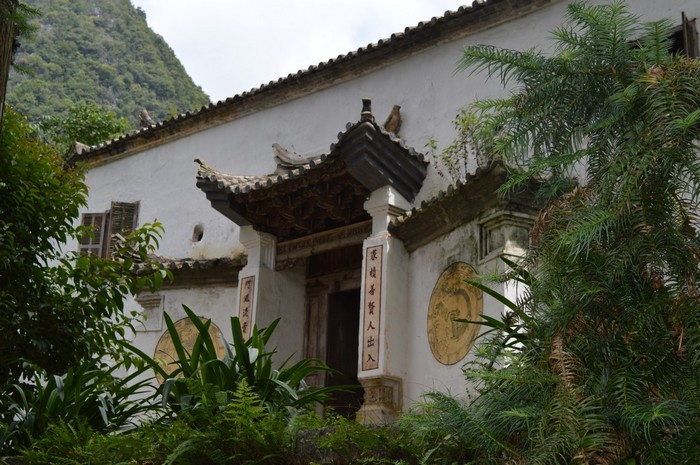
x,y
245,306
372,309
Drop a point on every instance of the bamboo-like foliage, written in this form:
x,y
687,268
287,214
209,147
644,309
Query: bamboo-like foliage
x,y
201,379
598,363
85,394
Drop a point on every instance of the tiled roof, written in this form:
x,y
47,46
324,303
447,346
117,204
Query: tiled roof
x,y
185,264
460,203
496,170
237,184
193,272
448,27
233,184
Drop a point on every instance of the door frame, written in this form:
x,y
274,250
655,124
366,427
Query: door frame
x,y
318,290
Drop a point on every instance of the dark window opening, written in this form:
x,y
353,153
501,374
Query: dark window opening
x,y
685,39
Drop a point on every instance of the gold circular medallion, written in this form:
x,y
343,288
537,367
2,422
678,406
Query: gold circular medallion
x,y
187,331
452,299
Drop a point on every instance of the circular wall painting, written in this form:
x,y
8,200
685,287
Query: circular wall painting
x,y
165,349
452,299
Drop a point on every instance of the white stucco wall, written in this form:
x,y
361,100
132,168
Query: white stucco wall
x,y
162,179
427,264
287,302
217,303
425,85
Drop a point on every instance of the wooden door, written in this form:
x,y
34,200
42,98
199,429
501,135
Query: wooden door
x,y
342,333
333,320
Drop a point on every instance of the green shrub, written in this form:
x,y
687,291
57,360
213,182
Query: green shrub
x,y
243,431
202,380
86,395
339,440
80,444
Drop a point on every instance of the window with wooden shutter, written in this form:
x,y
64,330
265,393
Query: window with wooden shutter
x,y
123,217
92,244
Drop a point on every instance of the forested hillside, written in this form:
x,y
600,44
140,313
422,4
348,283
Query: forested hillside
x,y
99,51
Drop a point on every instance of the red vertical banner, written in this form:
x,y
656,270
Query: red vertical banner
x,y
372,308
245,304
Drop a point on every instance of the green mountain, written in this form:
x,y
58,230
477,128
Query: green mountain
x,y
99,51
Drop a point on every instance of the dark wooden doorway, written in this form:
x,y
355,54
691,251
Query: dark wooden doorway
x,y
333,320
341,349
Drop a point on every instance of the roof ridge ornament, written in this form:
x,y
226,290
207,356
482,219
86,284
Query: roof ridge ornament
x,y
206,170
203,166
287,160
366,114
393,121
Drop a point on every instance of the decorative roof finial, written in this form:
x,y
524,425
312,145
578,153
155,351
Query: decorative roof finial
x,y
366,114
393,122
146,120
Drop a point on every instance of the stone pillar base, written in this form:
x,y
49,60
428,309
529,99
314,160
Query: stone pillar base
x,y
382,404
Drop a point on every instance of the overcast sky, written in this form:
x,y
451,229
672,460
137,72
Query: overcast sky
x,y
230,46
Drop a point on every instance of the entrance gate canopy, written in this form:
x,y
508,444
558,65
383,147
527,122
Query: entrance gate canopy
x,y
320,193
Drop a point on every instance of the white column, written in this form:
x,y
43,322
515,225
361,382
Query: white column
x,y
503,233
384,301
255,282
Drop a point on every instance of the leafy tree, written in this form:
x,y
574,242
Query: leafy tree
x,y
56,308
598,363
87,123
58,312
